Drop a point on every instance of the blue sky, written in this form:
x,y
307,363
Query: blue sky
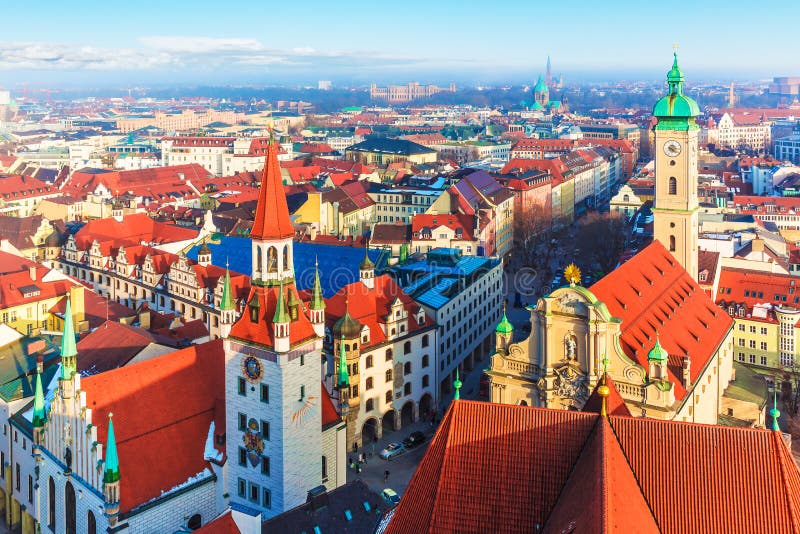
x,y
355,42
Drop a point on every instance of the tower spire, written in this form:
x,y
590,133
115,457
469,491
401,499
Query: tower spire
x,y
69,351
457,387
317,301
774,412
281,315
227,302
38,403
111,472
342,376
272,219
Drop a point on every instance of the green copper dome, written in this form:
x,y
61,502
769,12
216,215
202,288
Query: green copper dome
x,y
366,264
540,86
658,353
676,105
504,326
536,106
347,327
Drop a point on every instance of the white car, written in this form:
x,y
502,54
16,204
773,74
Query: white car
x,y
392,450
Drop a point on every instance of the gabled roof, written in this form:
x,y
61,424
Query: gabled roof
x,y
272,215
653,294
260,332
160,442
601,494
502,468
615,405
132,230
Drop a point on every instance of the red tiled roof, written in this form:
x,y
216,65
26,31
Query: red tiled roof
x,y
17,287
272,215
260,332
132,230
370,307
601,494
653,294
452,221
502,468
160,442
110,346
156,183
615,405
752,288
17,186
224,524
329,413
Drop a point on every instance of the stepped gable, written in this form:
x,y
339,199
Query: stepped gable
x,y
160,442
652,293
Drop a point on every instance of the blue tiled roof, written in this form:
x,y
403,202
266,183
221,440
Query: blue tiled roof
x,y
434,296
338,266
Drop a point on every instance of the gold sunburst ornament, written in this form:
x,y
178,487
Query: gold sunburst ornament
x,y
572,274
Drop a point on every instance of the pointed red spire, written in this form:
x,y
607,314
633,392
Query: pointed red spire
x,y
272,215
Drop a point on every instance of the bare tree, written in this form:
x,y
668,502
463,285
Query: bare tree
x,y
601,238
532,233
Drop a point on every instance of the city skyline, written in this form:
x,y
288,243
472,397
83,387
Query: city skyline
x,y
359,43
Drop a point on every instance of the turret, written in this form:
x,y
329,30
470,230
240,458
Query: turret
x,y
503,333
111,476
39,415
366,270
657,362
204,255
774,413
227,306
69,355
117,210
280,323
317,305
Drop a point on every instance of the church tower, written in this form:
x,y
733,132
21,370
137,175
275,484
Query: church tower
x,y
273,370
227,306
675,205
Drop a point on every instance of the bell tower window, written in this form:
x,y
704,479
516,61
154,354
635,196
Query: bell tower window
x,y
673,185
672,243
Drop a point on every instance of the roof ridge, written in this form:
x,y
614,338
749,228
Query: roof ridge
x,y
628,463
778,440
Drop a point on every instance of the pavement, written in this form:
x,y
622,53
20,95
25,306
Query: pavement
x,y
401,468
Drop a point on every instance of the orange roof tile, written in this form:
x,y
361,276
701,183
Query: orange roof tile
x,y
504,468
653,294
615,405
160,442
272,215
260,332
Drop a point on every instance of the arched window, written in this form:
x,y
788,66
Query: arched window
x,y
324,468
407,347
368,384
259,259
388,397
51,509
673,186
425,360
407,369
69,509
370,405
389,355
91,523
285,264
425,340
626,198
195,522
388,375
672,243
272,260
368,363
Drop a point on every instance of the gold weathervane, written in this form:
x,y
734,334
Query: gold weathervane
x,y
572,274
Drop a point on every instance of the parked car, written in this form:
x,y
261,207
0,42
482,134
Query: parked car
x,y
414,439
393,449
390,496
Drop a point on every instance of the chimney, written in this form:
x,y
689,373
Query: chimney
x,y
686,364
32,272
76,299
144,318
758,245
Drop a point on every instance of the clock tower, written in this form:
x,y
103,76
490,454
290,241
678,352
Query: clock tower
x,y
273,372
675,205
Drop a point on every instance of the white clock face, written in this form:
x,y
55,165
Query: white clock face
x,y
672,148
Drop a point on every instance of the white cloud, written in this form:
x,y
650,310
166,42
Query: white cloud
x,y
186,52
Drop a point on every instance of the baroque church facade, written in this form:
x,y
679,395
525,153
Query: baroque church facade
x,y
168,444
664,343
